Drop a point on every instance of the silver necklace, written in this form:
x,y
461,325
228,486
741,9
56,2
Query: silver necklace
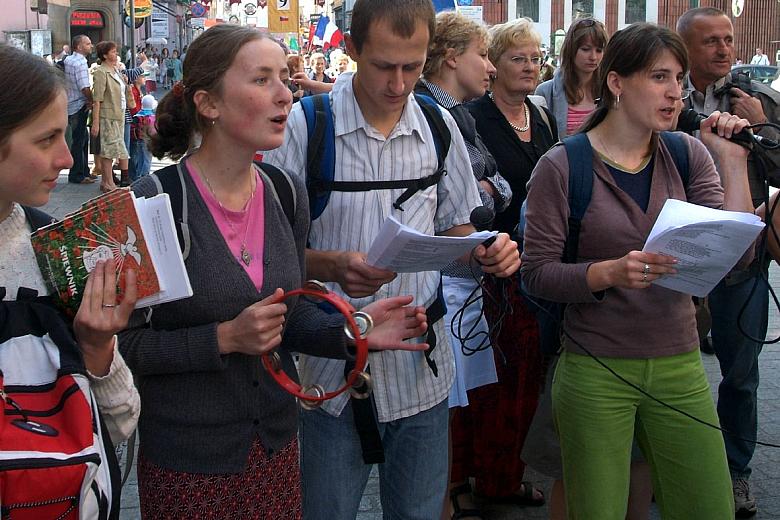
x,y
246,256
526,114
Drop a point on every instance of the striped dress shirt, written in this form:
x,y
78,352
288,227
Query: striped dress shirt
x,y
77,75
403,385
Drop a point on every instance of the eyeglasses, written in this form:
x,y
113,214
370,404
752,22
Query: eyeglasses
x,y
534,60
685,93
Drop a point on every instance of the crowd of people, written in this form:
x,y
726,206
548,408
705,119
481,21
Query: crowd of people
x,y
432,117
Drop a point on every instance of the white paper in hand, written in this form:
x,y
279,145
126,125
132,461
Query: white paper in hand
x,y
402,249
706,242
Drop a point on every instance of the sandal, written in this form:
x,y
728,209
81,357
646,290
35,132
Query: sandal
x,y
104,188
458,513
525,498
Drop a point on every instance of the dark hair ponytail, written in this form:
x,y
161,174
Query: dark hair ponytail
x,y
208,59
174,124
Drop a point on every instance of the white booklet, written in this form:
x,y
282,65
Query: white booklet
x,y
706,242
402,249
156,219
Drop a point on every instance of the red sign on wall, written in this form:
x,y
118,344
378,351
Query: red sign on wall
x,y
87,19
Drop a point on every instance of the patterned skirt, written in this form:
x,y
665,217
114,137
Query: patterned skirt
x,y
266,489
488,435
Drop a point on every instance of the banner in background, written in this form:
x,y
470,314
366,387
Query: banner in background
x,y
283,16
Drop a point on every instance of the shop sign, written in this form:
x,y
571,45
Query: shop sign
x,y
87,19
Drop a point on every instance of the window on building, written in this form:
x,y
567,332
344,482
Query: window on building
x,y
636,11
528,9
581,9
694,4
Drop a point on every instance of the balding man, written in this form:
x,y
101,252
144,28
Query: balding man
x,y
709,36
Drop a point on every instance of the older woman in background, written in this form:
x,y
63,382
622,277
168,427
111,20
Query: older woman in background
x,y
571,95
497,420
110,95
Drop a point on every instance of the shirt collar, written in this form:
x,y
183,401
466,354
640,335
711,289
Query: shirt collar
x,y
348,117
441,96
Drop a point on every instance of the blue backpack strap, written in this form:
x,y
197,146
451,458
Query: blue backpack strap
x,y
320,151
675,143
580,155
441,134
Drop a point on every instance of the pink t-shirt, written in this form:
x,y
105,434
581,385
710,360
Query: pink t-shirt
x,y
576,118
254,217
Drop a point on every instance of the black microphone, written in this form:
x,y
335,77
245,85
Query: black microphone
x,y
482,218
690,121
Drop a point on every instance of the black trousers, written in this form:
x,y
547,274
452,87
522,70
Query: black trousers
x,y
79,145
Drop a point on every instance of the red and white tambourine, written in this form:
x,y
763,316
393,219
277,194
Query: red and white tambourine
x,y
358,325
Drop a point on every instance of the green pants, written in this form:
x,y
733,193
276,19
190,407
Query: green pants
x,y
597,416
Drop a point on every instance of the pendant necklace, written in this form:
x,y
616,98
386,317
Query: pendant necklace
x,y
246,256
527,115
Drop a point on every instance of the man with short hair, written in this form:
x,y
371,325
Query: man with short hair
x,y
709,37
381,134
79,105
759,58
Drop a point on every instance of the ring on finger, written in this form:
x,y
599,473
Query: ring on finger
x,y
108,305
646,269
644,277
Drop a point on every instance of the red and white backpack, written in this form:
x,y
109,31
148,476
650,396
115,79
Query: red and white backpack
x,y
56,459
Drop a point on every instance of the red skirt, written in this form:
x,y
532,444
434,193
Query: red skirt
x,y
488,434
266,489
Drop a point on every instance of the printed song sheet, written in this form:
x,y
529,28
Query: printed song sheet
x,y
707,243
402,249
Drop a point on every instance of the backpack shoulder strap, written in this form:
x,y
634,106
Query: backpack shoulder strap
x,y
283,189
320,151
580,155
37,218
441,134
676,145
170,180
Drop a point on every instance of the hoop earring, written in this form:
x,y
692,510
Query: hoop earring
x,y
617,101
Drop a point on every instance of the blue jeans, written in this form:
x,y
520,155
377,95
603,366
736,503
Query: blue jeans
x,y
738,357
79,145
140,160
413,478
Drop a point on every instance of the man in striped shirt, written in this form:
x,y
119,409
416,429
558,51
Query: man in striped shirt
x,y
79,105
382,134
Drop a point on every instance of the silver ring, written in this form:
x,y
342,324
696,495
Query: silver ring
x,y
108,306
644,277
646,269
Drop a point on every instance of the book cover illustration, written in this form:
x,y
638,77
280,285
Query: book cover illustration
x,y
105,227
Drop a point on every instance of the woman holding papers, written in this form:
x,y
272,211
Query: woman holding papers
x,y
644,333
218,434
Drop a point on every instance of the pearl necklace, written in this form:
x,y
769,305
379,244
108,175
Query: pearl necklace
x,y
246,256
526,114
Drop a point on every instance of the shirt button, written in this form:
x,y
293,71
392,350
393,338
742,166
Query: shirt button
x,y
255,383
256,422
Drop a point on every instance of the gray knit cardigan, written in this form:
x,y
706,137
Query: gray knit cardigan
x,y
201,411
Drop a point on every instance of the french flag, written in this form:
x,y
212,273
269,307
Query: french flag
x,y
327,33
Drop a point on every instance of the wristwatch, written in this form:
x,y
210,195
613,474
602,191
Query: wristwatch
x,y
364,323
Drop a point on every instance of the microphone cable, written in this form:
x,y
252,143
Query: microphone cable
x,y
645,392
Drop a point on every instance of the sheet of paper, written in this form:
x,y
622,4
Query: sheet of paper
x,y
402,249
160,232
707,243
